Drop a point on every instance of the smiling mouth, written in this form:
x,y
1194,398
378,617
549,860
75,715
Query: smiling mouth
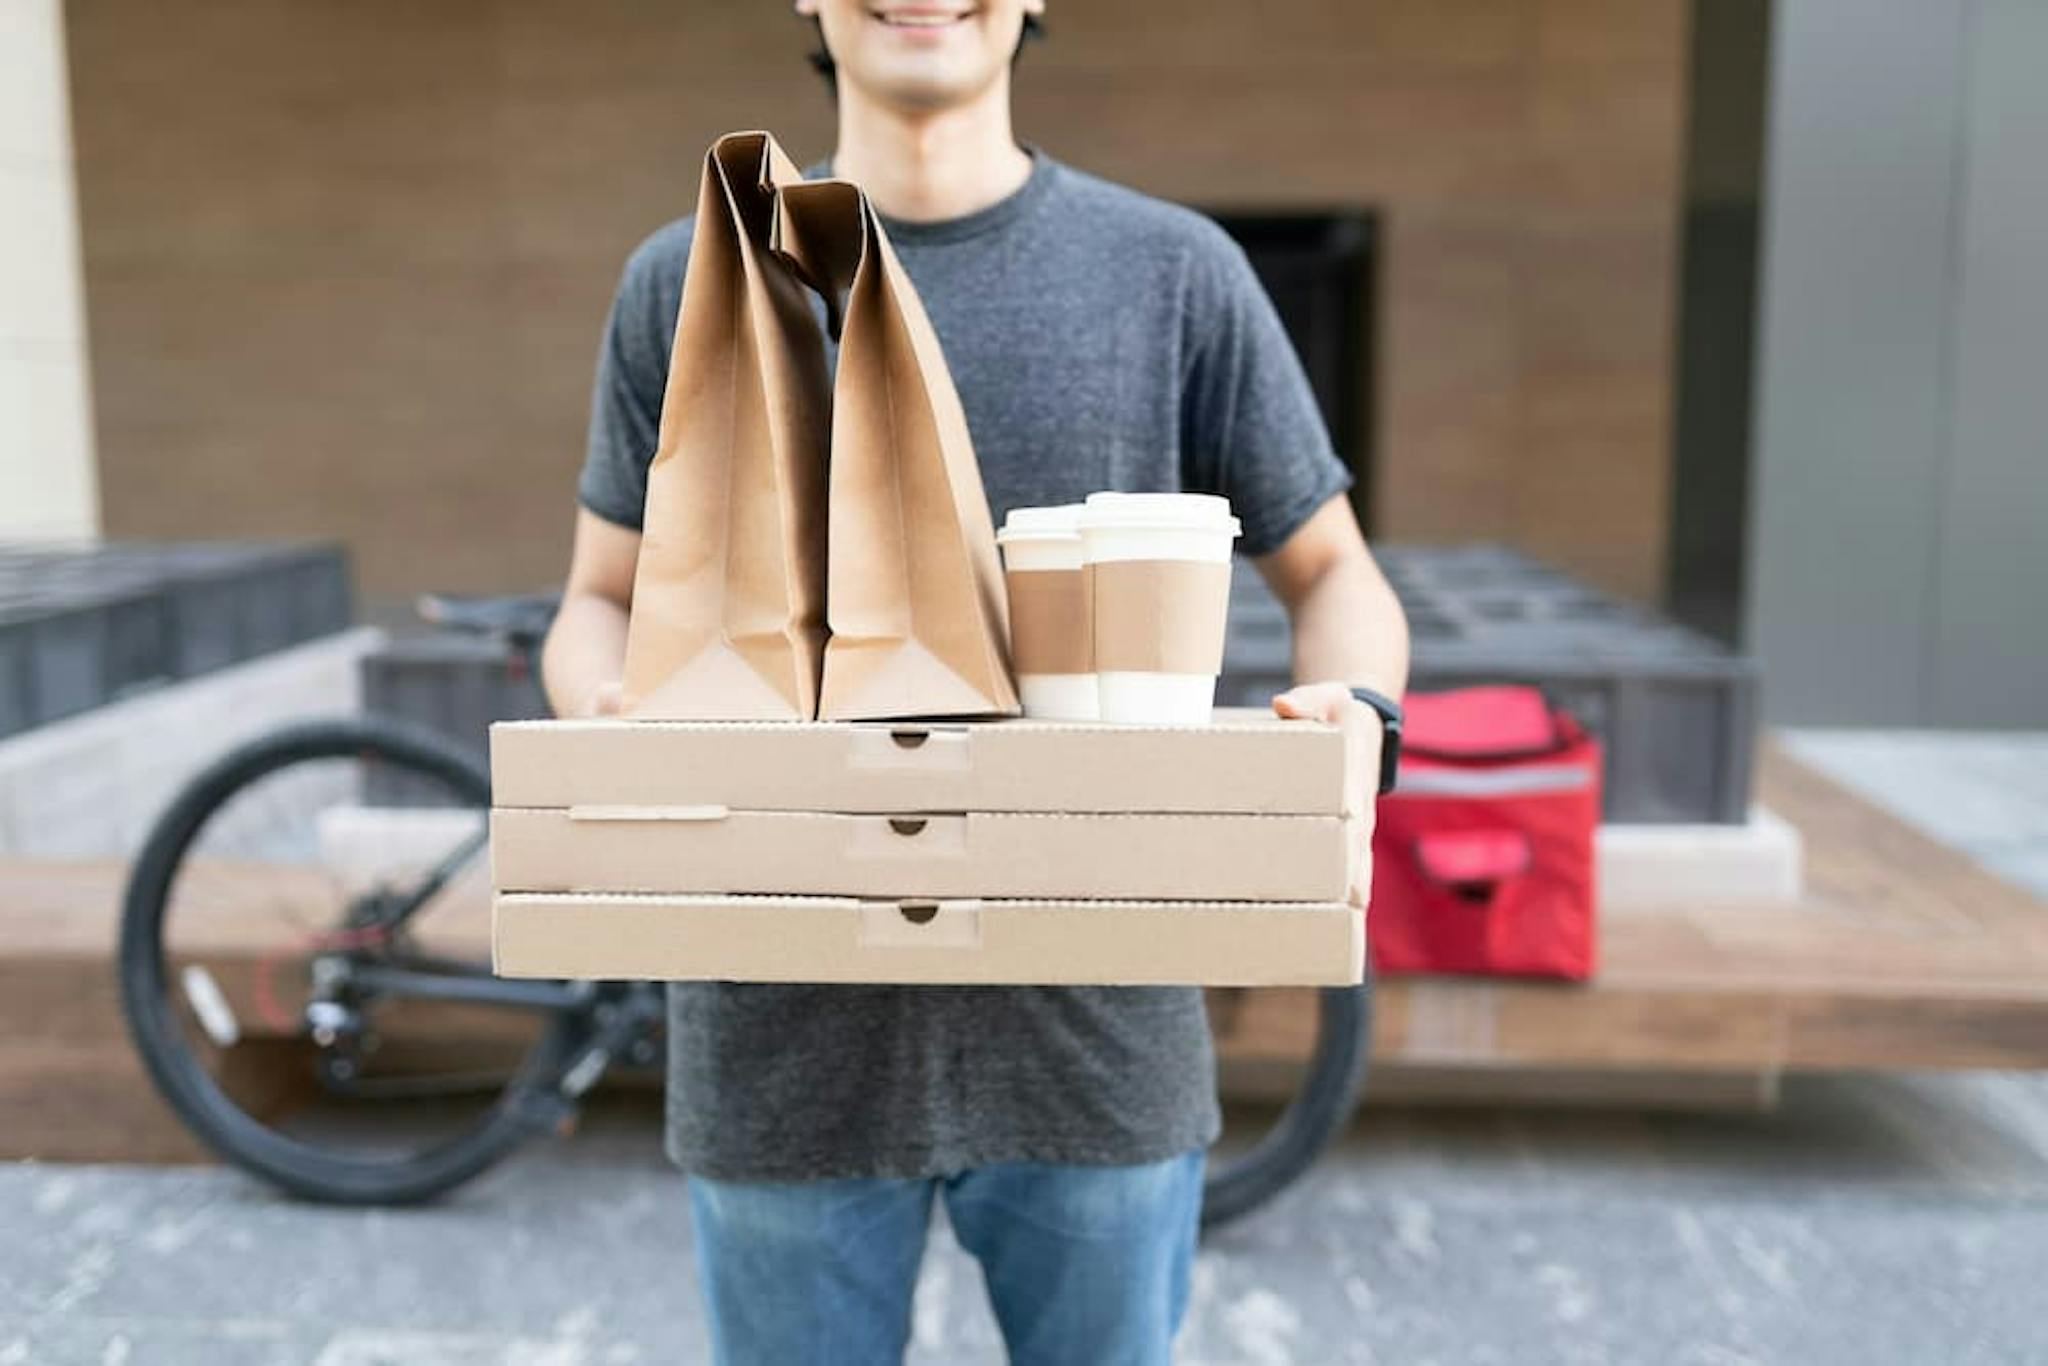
x,y
920,19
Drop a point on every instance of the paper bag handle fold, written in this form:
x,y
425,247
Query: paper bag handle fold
x,y
746,170
820,234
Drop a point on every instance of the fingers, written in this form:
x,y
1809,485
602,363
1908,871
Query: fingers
x,y
1358,873
1313,702
607,700
1359,897
1333,703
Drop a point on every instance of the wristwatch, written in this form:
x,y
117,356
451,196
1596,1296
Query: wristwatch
x,y
1390,734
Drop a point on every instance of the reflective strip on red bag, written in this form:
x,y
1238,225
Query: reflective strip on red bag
x,y
1493,782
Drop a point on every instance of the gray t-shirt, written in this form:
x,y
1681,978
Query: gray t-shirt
x,y
1099,340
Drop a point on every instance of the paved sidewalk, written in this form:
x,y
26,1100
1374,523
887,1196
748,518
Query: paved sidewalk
x,y
1899,1220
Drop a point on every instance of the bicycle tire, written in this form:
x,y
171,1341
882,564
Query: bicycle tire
x,y
176,1071
1318,1112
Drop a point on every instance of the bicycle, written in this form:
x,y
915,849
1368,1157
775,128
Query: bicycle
x,y
363,1052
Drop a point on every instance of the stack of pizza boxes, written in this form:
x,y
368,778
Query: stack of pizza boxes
x,y
1012,851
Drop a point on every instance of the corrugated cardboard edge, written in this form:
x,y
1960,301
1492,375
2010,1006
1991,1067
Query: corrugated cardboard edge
x,y
834,940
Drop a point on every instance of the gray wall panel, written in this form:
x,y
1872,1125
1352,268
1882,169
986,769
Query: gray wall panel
x,y
1853,365
1898,556
1990,658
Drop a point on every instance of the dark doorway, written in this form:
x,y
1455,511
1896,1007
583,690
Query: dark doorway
x,y
1319,269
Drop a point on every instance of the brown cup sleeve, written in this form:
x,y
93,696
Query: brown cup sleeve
x,y
1050,631
1159,616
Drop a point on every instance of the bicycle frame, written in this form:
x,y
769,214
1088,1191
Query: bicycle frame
x,y
444,979
438,877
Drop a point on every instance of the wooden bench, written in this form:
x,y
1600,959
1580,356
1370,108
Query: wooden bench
x,y
1903,955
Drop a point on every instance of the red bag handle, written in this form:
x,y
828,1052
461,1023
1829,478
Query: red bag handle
x,y
1447,727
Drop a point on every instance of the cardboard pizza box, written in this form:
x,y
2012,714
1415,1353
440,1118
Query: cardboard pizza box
x,y
941,941
990,854
1246,763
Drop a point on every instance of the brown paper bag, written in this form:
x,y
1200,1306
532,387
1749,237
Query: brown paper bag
x,y
728,616
914,593
749,552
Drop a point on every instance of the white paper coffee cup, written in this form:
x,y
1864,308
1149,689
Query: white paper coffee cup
x,y
1158,566
1051,639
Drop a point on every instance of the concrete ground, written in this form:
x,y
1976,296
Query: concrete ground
x,y
1872,1220
1895,1220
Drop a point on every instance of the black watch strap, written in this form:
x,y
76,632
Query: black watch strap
x,y
1390,734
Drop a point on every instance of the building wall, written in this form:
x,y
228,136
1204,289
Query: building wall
x,y
46,455
1896,560
348,263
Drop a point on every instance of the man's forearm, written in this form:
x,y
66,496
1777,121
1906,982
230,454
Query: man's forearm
x,y
585,653
1349,628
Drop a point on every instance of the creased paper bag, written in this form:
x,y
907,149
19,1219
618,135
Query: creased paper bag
x,y
914,596
728,614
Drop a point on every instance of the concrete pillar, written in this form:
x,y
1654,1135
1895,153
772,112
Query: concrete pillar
x,y
48,485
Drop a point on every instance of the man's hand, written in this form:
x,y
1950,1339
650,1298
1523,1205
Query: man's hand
x,y
1363,736
1347,625
585,654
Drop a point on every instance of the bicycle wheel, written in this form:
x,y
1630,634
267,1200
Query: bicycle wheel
x,y
305,968
1318,1111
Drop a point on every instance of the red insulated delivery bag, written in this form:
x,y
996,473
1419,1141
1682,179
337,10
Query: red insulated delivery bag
x,y
1483,854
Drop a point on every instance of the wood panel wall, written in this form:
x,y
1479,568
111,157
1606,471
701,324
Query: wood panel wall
x,y
347,263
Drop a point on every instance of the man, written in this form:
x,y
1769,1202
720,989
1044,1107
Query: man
x,y
1099,340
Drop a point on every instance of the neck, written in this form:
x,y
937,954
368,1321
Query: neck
x,y
923,165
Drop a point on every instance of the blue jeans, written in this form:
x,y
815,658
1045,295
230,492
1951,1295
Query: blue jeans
x,y
1083,1264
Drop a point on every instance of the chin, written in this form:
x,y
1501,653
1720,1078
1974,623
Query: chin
x,y
923,92
919,85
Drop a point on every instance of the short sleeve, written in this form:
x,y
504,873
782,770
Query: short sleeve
x,y
1250,427
632,375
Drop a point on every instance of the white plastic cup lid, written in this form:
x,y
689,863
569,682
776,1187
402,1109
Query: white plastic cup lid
x,y
1041,524
1189,511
